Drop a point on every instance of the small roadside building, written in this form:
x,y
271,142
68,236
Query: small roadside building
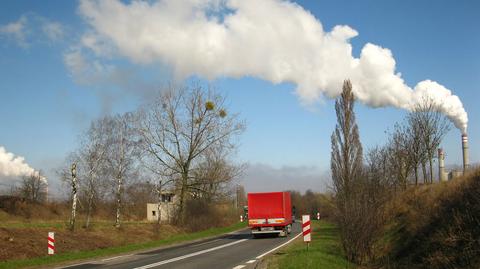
x,y
167,208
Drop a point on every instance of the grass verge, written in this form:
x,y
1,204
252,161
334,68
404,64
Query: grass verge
x,y
71,256
324,251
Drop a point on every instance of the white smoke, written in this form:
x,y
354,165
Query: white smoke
x,y
270,39
14,166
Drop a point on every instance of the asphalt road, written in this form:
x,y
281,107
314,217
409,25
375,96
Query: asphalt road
x,y
236,250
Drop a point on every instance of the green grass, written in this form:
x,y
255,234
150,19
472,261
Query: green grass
x,y
324,252
58,258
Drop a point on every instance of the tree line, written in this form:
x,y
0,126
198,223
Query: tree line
x,y
363,184
182,140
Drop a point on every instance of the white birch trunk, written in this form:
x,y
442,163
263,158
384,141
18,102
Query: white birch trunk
x,y
159,191
74,196
119,202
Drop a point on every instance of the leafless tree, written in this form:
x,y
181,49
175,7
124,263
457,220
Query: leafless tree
x,y
92,162
346,167
33,187
178,128
433,126
400,162
416,149
346,159
122,154
214,173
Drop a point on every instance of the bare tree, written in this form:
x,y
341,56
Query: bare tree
x,y
400,162
433,126
180,126
122,154
346,159
92,162
33,187
214,173
416,149
346,166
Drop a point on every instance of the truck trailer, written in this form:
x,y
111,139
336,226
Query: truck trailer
x,y
270,213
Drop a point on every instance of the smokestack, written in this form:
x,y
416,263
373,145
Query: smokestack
x,y
441,165
465,152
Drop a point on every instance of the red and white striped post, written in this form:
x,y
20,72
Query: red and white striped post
x,y
241,218
51,243
307,231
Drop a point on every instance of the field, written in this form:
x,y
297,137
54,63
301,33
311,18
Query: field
x,y
324,252
25,244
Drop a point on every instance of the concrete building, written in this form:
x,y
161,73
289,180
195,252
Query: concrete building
x,y
167,208
454,174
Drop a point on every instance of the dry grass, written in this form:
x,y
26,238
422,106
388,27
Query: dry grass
x,y
435,226
28,242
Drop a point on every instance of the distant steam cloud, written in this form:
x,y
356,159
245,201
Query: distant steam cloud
x,y
273,40
13,166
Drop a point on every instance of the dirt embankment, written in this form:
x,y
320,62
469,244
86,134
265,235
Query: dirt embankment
x,y
27,242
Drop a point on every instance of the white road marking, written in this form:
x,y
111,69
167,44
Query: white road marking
x,y
238,266
189,255
251,261
272,250
116,257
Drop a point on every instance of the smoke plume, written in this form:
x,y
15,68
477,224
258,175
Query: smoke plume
x,y
273,40
13,166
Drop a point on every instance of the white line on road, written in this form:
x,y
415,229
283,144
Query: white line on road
x,y
189,255
238,266
251,261
116,257
272,250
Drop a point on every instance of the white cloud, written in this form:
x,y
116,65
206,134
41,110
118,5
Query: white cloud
x,y
16,31
30,28
53,30
273,40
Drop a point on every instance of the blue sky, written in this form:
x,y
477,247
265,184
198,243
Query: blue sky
x,y
44,106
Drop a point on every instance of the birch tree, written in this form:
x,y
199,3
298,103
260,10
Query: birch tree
x,y
74,196
122,155
92,161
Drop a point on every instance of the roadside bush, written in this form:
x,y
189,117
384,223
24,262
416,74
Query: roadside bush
x,y
201,215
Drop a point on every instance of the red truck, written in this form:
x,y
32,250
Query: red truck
x,y
269,213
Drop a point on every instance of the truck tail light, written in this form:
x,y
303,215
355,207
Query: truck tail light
x,y
277,220
256,221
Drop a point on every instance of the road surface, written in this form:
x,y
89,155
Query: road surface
x,y
236,250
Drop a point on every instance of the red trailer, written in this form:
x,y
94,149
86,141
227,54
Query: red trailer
x,y
270,212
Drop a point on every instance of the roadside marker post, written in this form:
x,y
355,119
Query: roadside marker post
x,y
51,243
241,218
318,215
307,231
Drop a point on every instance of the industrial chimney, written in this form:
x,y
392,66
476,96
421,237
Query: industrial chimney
x,y
465,152
441,165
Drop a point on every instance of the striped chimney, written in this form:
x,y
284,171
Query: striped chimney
x,y
441,165
465,152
